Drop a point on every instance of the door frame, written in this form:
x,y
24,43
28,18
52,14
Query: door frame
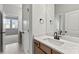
x,y
1,31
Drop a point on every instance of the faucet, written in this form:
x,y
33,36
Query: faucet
x,y
60,32
56,36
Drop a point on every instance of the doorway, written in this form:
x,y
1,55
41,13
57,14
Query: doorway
x,y
11,15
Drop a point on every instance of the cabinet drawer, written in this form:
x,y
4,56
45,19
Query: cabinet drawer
x,y
38,51
45,48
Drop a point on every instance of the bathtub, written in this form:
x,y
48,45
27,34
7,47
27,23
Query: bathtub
x,y
10,39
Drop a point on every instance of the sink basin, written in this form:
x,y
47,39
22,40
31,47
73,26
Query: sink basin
x,y
54,41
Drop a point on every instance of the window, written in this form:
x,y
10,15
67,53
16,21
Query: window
x,y
7,23
11,25
14,24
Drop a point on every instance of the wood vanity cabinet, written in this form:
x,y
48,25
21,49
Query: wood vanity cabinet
x,y
55,52
38,51
46,49
40,48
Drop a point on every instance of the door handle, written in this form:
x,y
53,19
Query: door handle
x,y
21,32
3,32
65,31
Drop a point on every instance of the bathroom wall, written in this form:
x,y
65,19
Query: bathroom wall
x,y
1,7
38,12
63,8
12,10
45,12
20,19
50,26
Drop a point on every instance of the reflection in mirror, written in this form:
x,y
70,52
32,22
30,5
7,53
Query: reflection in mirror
x,y
72,23
69,23
57,24
61,23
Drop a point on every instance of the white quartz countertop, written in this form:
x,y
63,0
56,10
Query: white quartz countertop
x,y
66,48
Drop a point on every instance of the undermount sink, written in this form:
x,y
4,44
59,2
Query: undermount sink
x,y
54,41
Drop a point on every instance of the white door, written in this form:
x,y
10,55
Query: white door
x,y
26,28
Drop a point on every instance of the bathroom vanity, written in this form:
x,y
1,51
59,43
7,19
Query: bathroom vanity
x,y
40,48
48,45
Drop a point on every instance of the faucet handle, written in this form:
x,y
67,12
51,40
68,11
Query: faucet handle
x,y
55,33
65,31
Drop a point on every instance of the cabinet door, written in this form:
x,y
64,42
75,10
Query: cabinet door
x,y
46,49
38,51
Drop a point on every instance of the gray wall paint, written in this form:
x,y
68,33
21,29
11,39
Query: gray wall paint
x,y
63,8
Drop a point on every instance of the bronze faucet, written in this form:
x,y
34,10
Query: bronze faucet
x,y
56,36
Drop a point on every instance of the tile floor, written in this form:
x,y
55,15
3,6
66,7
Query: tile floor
x,y
13,48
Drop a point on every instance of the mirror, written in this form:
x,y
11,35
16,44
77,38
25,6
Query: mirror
x,y
61,23
69,23
72,23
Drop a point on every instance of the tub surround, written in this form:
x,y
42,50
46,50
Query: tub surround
x,y
68,47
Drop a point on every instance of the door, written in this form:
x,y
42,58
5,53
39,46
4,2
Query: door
x,y
1,36
2,32
26,28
